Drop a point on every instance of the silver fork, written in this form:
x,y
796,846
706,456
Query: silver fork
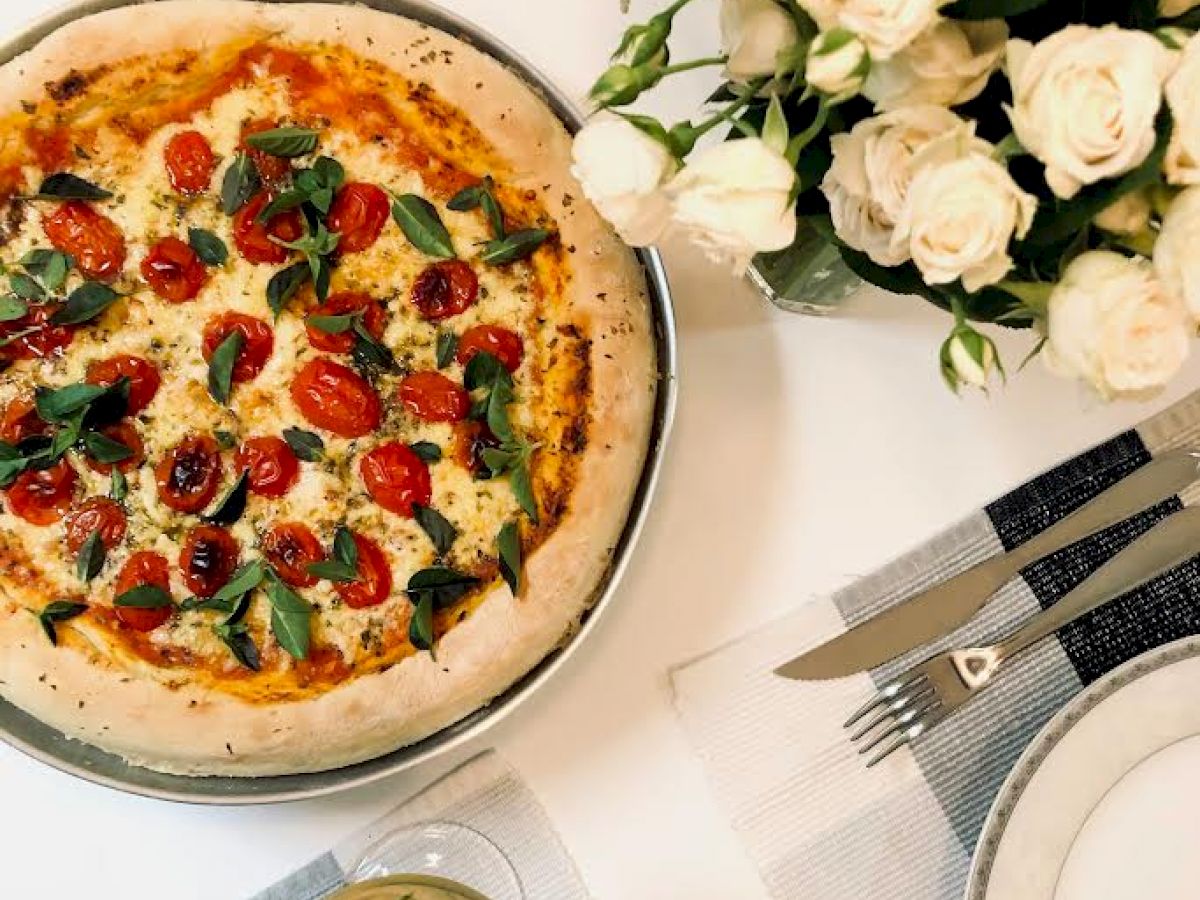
x,y
916,701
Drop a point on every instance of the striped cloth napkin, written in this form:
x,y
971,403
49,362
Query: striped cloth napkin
x,y
486,796
816,822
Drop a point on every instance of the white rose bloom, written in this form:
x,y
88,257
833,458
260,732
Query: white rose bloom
x,y
1182,165
1175,252
888,26
962,212
1169,9
623,171
968,358
867,184
837,63
1127,215
753,34
735,200
1112,324
1085,99
949,64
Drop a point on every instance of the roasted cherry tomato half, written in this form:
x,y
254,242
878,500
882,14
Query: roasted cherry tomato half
x,y
20,421
272,168
208,558
291,548
123,433
174,271
374,582
257,342
95,514
503,344
90,236
432,397
445,289
189,475
339,304
141,569
396,478
143,376
190,162
34,337
358,214
336,398
253,238
43,496
272,465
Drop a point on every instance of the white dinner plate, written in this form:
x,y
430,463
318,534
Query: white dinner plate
x,y
1105,803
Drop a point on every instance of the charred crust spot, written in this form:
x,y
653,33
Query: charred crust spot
x,y
71,85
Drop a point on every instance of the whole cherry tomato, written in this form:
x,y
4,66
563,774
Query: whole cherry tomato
x,y
257,342
190,162
174,271
43,496
272,465
253,238
143,568
190,473
209,557
91,237
374,582
143,376
358,214
445,289
432,397
502,343
291,548
95,514
340,304
396,478
336,398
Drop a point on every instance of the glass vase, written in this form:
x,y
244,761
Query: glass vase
x,y
807,277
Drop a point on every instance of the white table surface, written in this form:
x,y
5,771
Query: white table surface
x,y
807,452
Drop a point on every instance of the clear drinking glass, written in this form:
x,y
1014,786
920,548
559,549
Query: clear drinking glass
x,y
808,277
433,861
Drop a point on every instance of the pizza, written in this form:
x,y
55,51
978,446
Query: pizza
x,y
324,395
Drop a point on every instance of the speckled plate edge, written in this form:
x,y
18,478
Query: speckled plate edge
x,y
1045,743
50,746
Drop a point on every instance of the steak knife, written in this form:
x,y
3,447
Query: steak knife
x,y
940,609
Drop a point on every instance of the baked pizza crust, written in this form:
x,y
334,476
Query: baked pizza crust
x,y
191,730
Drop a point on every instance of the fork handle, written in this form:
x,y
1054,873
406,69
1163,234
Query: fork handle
x,y
1168,544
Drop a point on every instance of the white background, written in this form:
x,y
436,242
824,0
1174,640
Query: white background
x,y
807,452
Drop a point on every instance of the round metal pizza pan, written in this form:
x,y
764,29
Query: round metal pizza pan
x,y
85,761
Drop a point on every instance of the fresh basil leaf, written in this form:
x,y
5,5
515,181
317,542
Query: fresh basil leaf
x,y
321,242
12,308
243,581
10,469
85,303
237,638
483,370
120,486
220,367
328,173
144,596
290,615
368,352
284,284
332,324
518,245
65,438
58,405
332,570
447,344
25,287
522,488
212,603
324,274
443,584
345,550
285,201
210,248
226,440
90,559
419,221
287,142
481,195
241,182
499,460
104,449
508,546
239,606
497,411
50,267
58,611
307,446
233,504
436,526
8,451
65,186
110,407
427,451
420,626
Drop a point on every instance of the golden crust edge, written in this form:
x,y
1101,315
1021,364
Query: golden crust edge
x,y
186,730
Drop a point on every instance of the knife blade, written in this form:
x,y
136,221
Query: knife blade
x,y
940,609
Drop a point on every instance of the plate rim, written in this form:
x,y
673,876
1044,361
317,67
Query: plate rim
x,y
1047,740
251,791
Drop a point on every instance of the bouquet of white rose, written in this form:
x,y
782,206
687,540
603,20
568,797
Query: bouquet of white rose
x,y
1029,163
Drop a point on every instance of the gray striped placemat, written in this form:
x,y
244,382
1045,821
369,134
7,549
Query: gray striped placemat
x,y
817,823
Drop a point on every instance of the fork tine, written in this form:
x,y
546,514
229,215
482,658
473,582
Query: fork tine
x,y
895,744
896,705
884,694
906,728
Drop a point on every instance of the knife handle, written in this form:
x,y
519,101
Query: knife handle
x,y
1161,478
